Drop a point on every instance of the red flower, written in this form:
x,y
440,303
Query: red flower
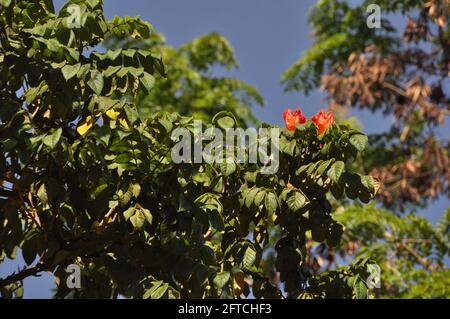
x,y
293,118
322,120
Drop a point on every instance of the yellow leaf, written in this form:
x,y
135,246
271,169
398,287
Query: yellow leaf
x,y
112,114
124,123
86,125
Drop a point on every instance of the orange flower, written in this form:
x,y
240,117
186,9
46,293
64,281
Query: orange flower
x,y
293,118
322,120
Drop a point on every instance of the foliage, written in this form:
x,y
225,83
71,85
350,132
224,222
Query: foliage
x,y
403,74
411,252
190,86
87,179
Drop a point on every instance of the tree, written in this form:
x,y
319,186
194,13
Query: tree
x,y
85,177
411,251
379,69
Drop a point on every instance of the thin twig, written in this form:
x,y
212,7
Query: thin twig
x,y
209,234
35,216
423,261
21,275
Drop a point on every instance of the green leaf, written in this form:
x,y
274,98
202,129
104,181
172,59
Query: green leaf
x,y
216,220
226,122
168,125
129,52
249,199
29,250
135,189
5,3
249,257
69,71
337,191
58,65
9,144
136,72
113,54
157,291
368,182
160,291
224,119
227,167
102,133
221,279
34,92
359,141
96,82
129,212
271,202
207,254
360,290
296,201
138,220
260,197
148,216
52,139
122,72
322,167
287,147
73,54
83,70
303,168
131,190
147,80
335,171
93,3
42,193
52,44
124,158
111,70
131,114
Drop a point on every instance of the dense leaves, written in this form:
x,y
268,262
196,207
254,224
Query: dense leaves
x,y
411,251
89,179
401,72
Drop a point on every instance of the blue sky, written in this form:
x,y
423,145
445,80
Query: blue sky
x,y
268,36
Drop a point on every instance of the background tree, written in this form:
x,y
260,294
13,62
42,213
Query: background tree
x,y
411,252
191,86
404,75
88,179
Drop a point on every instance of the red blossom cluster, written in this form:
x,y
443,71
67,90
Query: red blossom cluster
x,y
321,119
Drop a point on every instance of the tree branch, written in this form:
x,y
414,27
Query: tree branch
x,y
21,275
423,261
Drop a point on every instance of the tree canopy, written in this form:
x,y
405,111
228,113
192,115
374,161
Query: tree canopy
x,y
402,73
89,118
86,176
